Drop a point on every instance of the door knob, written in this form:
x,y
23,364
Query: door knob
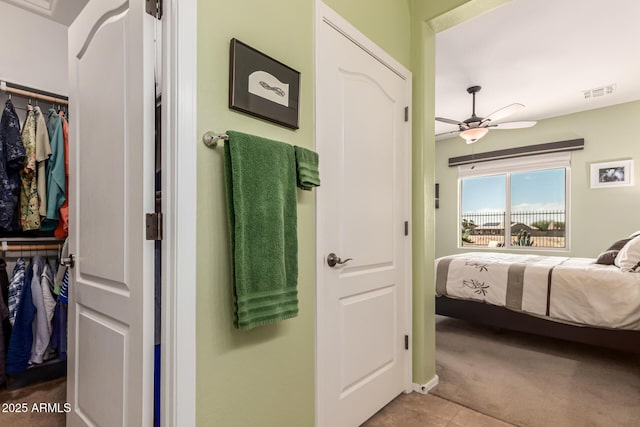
x,y
68,262
333,259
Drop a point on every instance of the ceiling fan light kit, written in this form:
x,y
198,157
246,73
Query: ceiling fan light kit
x,y
473,134
474,128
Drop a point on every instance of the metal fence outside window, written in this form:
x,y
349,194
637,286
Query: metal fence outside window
x,y
541,229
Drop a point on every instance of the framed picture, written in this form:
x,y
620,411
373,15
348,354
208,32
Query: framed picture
x,y
263,87
612,174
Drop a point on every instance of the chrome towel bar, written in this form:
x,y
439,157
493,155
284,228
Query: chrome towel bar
x,y
211,139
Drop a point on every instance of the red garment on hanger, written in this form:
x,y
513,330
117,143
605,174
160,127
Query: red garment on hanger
x,y
62,230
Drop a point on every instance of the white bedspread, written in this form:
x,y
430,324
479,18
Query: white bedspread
x,y
573,290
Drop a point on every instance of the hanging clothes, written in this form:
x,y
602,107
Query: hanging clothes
x,y
64,289
4,314
22,334
55,172
5,331
16,288
40,325
62,269
61,289
46,282
4,281
43,151
62,230
29,201
59,334
4,291
12,155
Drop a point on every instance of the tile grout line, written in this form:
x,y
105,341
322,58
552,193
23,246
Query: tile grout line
x,y
471,409
450,423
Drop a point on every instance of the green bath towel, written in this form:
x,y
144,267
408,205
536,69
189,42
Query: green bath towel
x,y
307,162
260,178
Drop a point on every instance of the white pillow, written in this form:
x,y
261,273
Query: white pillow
x,y
637,233
628,259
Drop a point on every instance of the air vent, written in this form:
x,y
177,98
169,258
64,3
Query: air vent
x,y
599,91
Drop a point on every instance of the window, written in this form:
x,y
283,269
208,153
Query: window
x,y
525,199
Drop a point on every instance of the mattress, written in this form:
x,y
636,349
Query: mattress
x,y
572,290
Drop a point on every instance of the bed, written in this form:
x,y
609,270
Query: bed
x,y
575,299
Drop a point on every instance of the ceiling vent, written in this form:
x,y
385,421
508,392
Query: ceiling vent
x,y
599,91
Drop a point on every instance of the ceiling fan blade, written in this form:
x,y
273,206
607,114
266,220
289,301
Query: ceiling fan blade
x,y
514,125
502,113
452,133
450,121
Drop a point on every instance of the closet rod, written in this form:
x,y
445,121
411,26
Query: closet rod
x,y
33,247
28,92
30,244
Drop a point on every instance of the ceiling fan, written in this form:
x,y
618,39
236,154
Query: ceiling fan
x,y
476,127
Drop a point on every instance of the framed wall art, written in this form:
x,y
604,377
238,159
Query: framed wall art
x,y
262,86
612,174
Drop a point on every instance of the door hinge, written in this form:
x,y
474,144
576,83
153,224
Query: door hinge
x,y
406,114
154,226
406,342
154,8
406,228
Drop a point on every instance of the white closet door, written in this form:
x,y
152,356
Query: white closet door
x,y
110,370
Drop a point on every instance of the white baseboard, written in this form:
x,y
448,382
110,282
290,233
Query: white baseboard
x,y
425,388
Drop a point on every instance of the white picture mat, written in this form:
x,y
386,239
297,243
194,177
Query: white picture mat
x,y
612,174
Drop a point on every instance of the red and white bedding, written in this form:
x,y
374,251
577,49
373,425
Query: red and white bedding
x,y
573,290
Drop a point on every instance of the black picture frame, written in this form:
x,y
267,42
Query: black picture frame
x,y
262,86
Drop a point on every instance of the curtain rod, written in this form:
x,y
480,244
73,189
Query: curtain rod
x,y
28,92
527,150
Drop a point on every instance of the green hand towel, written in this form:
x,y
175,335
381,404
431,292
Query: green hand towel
x,y
260,178
307,162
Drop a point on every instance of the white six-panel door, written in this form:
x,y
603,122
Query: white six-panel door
x,y
363,308
110,370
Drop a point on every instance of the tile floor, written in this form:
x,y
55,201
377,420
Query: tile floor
x,y
418,410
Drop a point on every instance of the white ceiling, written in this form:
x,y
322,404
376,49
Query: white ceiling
x,y
61,11
540,53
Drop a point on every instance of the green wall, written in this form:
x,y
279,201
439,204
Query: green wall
x,y
598,217
385,22
428,17
264,377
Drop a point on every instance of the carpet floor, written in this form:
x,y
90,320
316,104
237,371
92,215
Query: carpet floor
x,y
533,381
49,392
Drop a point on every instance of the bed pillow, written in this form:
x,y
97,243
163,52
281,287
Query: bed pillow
x,y
607,257
619,244
628,259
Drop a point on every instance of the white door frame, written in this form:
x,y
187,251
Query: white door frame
x,y
325,14
179,195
